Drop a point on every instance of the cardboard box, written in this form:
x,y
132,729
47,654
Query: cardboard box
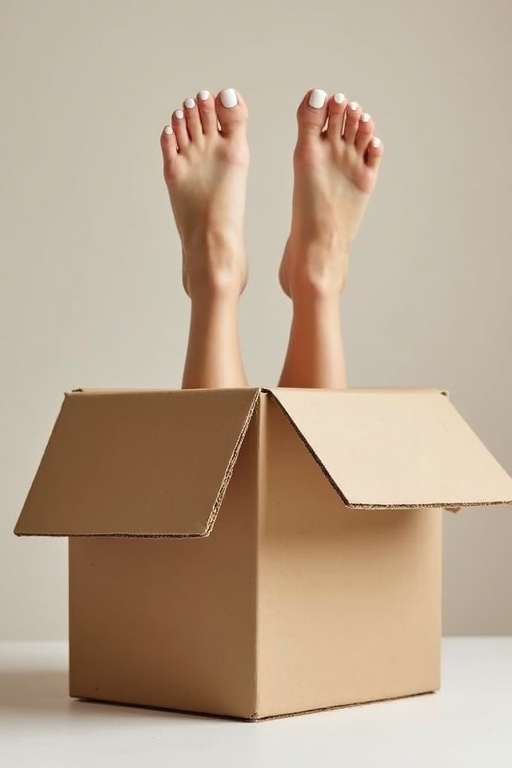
x,y
255,552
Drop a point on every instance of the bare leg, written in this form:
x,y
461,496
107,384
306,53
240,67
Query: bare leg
x,y
205,169
335,172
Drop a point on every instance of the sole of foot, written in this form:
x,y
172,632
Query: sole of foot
x,y
205,162
336,162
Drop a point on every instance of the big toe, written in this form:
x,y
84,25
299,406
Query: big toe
x,y
312,112
231,111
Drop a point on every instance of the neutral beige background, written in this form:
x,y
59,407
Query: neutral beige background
x,y
90,291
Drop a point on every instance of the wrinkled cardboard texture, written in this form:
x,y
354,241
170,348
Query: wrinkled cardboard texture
x,y
293,601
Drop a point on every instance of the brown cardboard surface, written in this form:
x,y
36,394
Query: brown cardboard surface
x,y
168,622
293,603
137,463
158,463
396,448
349,604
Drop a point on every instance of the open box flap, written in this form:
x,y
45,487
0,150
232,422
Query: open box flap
x,y
395,448
132,463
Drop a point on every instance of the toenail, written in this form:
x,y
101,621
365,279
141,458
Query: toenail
x,y
365,117
168,130
179,114
376,143
204,95
229,98
189,103
339,98
317,98
354,106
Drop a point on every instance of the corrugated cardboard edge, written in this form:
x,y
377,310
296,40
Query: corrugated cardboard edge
x,y
310,450
355,506
218,500
231,465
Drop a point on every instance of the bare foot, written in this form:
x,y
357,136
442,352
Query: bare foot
x,y
335,162
206,158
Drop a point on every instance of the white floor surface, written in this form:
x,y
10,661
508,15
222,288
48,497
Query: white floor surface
x,y
467,724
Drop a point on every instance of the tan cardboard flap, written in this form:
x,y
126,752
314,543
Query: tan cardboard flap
x,y
395,448
138,463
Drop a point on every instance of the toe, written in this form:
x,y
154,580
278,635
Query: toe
x,y
364,132
352,117
206,105
374,154
194,127
179,127
231,112
336,112
169,150
168,141
312,112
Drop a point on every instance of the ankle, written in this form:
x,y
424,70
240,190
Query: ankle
x,y
212,291
313,306
215,276
217,296
318,286
315,272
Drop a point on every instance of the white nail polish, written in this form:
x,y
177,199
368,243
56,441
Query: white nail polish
x,y
204,95
179,114
365,117
354,106
168,130
376,143
339,98
229,98
189,103
317,98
